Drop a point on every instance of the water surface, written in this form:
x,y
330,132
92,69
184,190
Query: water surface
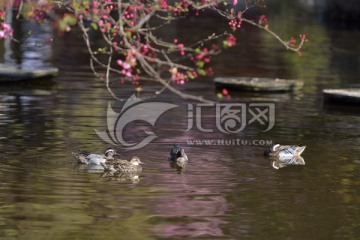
x,y
225,192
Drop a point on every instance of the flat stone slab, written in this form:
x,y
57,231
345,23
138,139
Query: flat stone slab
x,y
258,84
13,73
342,95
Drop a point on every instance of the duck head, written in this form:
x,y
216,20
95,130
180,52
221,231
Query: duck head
x,y
271,150
175,152
110,153
136,161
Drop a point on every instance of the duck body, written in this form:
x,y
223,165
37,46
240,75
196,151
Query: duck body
x,y
177,155
278,163
119,165
94,158
284,151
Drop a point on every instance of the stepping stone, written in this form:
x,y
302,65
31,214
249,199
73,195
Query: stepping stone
x,y
349,96
258,84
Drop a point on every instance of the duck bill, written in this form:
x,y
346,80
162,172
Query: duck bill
x,y
142,163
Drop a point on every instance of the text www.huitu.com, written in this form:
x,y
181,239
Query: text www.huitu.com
x,y
229,142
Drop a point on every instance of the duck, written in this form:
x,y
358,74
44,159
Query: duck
x,y
284,151
177,155
119,165
94,158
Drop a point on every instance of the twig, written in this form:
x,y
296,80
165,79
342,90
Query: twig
x,y
277,37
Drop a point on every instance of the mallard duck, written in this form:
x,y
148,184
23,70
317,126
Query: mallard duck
x,y
177,155
114,165
94,158
284,151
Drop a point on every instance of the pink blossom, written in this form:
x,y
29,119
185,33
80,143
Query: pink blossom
x,y
126,66
8,28
181,46
225,92
235,2
230,41
119,62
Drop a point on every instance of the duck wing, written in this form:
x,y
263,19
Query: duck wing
x,y
287,147
114,164
84,152
299,150
290,151
80,158
94,155
182,155
122,165
293,149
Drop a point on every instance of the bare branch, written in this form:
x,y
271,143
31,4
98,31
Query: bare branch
x,y
277,37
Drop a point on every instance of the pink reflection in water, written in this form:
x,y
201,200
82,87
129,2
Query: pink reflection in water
x,y
194,202
195,229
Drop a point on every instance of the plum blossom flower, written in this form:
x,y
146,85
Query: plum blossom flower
x,y
126,65
5,30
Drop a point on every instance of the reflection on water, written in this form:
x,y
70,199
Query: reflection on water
x,y
225,192
89,168
121,176
179,168
280,162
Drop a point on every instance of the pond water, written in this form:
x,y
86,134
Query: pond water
x,y
226,191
